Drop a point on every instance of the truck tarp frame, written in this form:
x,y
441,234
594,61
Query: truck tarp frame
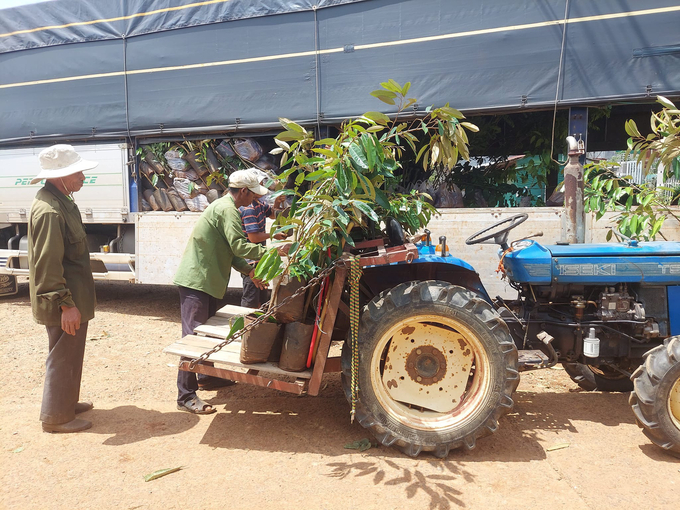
x,y
78,70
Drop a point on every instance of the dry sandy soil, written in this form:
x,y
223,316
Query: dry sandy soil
x,y
265,449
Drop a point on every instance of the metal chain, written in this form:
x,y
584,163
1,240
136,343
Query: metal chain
x,y
354,278
265,316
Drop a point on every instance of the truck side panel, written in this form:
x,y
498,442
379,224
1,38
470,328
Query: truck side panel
x,y
104,197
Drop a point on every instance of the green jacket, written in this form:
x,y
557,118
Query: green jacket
x,y
58,258
216,244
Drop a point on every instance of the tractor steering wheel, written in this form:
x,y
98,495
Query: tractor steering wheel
x,y
499,236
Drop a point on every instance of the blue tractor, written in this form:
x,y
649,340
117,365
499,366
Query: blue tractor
x,y
439,359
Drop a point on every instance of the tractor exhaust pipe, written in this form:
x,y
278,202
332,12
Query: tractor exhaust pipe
x,y
573,194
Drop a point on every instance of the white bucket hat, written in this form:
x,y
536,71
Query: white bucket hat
x,y
248,178
59,161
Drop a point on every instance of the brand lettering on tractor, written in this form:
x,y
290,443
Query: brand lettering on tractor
x,y
588,270
669,268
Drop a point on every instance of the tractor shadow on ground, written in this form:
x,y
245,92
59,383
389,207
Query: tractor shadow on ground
x,y
655,453
251,418
131,424
255,418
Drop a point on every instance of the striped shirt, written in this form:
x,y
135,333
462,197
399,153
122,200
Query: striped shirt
x,y
254,217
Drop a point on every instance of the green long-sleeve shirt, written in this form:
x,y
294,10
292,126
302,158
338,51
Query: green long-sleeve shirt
x,y
58,258
216,244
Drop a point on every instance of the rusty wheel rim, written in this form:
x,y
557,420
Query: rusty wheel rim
x,y
427,364
674,403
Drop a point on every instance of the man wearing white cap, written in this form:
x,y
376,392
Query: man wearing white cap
x,y
217,244
61,284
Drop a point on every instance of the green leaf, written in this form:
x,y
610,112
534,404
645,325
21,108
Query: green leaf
x,y
378,117
160,472
470,126
385,96
361,445
665,102
366,209
369,148
367,186
381,199
326,141
452,112
236,326
289,125
288,136
657,226
325,152
318,174
342,179
358,157
264,264
154,179
631,128
406,88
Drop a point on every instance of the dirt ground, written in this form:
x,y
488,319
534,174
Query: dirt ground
x,y
265,449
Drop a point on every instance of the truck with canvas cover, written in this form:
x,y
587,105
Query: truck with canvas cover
x,y
113,78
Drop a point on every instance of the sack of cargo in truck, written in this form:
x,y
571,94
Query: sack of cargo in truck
x,y
248,149
175,161
193,157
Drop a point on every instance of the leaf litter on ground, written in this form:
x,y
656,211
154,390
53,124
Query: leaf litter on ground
x,y
160,472
362,445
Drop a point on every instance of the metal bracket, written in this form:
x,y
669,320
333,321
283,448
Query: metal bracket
x,y
349,48
523,101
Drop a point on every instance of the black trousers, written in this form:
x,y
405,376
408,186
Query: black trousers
x,y
252,296
196,307
63,371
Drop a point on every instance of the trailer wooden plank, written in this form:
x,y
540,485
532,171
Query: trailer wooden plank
x,y
233,310
329,323
206,343
297,387
229,355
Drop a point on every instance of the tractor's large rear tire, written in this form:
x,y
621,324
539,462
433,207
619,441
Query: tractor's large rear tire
x,y
656,395
437,368
601,378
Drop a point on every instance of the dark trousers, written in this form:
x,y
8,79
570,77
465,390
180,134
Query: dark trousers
x,y
196,308
252,296
63,372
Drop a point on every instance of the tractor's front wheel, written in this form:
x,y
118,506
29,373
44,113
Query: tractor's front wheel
x,y
656,395
437,368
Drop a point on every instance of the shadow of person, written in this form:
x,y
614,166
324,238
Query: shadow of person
x,y
131,424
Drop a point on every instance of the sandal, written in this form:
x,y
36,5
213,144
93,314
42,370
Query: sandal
x,y
196,406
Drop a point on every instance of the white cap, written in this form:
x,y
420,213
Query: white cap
x,y
248,178
60,161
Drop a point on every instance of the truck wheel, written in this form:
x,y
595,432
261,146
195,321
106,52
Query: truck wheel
x,y
601,378
656,395
437,368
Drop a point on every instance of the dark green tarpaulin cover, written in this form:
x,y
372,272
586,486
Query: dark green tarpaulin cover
x,y
71,69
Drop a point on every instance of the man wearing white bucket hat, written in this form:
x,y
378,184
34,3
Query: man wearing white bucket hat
x,y
61,284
